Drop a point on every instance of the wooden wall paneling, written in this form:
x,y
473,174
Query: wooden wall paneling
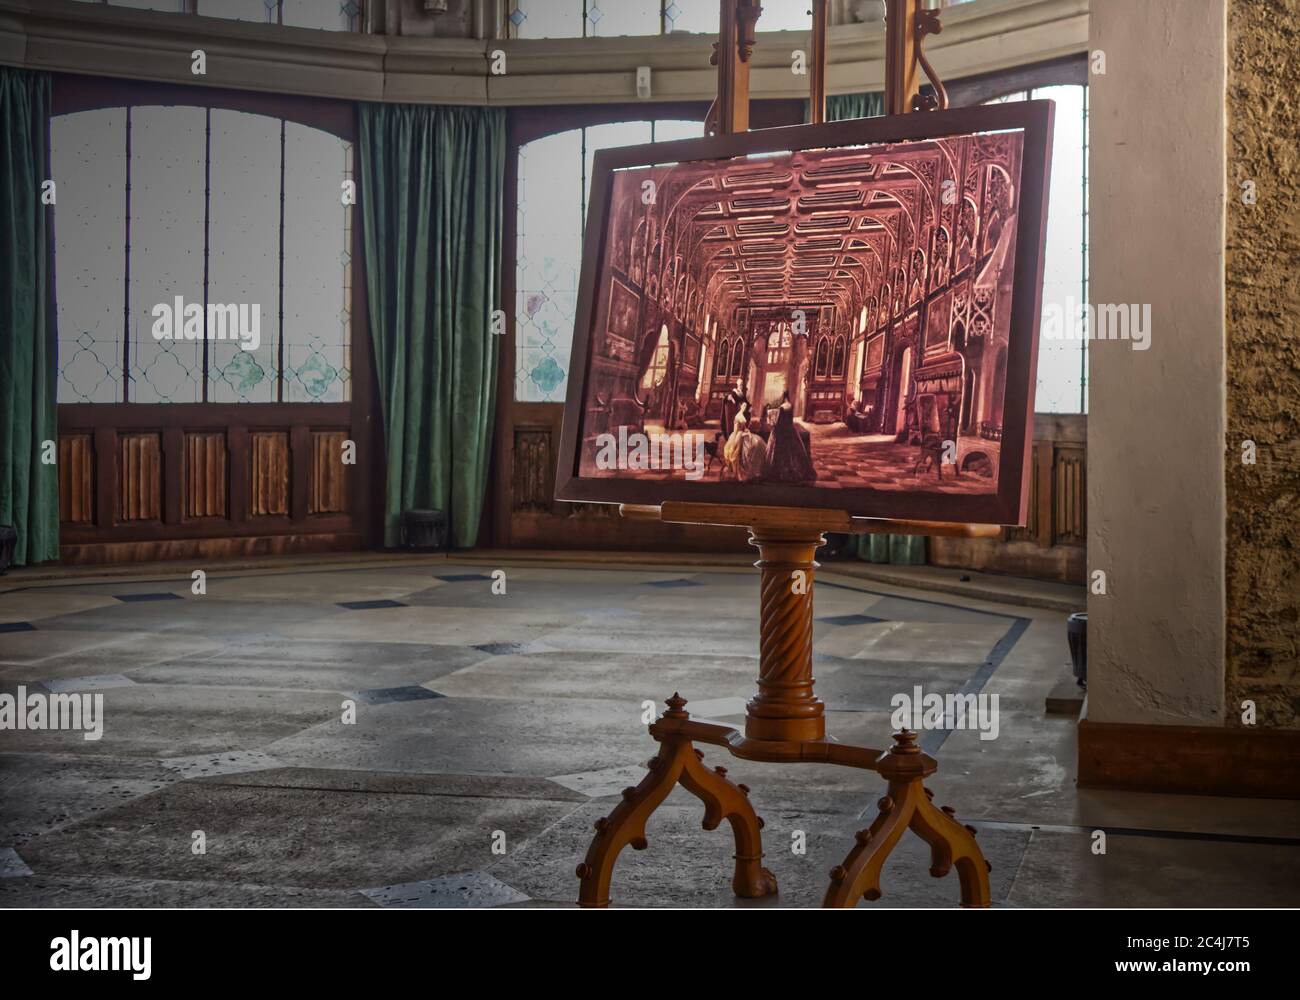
x,y
269,475
534,465
1069,525
140,476
239,465
105,476
299,470
327,493
77,478
206,476
173,473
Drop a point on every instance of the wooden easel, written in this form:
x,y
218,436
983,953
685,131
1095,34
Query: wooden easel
x,y
784,722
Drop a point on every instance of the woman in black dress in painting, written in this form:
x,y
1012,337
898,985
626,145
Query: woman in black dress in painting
x,y
787,459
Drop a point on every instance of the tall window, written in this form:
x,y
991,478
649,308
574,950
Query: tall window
x,y
1063,364
606,18
551,215
654,375
233,219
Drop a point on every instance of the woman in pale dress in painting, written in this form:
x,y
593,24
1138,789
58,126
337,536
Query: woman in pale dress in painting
x,y
744,452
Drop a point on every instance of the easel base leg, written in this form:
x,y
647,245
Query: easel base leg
x,y
677,761
905,806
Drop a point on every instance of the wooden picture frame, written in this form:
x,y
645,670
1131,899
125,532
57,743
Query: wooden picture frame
x,y
1005,501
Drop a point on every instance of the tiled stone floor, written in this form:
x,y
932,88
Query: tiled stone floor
x,y
491,730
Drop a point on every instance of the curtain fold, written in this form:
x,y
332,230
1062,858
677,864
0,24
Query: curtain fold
x,y
29,487
842,106
432,181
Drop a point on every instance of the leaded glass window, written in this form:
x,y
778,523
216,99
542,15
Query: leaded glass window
x,y
1062,385
551,210
220,224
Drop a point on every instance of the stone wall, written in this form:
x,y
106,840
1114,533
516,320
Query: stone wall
x,y
1263,362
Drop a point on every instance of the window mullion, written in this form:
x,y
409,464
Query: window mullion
x,y
207,241
279,350
126,282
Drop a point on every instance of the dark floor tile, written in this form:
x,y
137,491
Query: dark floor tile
x,y
140,598
17,627
386,696
368,605
851,620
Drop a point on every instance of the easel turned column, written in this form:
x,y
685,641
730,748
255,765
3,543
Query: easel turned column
x,y
785,707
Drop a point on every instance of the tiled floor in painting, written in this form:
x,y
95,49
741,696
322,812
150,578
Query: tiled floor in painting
x,y
486,732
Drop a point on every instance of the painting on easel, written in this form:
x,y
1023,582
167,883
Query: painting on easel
x,y
840,316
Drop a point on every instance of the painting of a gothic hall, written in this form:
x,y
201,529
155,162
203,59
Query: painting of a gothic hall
x,y
832,319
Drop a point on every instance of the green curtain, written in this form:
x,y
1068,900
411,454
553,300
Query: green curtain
x,y
841,106
29,487
432,180
906,550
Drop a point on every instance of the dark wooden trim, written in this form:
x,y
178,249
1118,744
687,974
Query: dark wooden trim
x,y
73,92
1010,504
972,90
1190,760
227,547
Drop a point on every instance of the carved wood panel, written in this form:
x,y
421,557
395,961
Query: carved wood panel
x,y
77,478
1069,522
327,491
139,476
206,477
269,479
534,470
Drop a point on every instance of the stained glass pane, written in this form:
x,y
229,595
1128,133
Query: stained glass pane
x,y
243,254
1062,363
549,251
88,150
317,267
241,10
329,15
549,18
169,5
622,17
609,136
167,162
699,16
784,15
668,129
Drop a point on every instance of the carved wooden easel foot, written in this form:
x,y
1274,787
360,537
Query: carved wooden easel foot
x,y
907,804
677,760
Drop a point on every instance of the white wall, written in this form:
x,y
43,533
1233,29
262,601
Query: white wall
x,y
1156,417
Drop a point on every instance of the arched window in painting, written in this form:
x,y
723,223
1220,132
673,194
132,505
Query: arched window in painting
x,y
916,290
900,283
837,357
998,200
823,357
654,375
636,269
737,354
939,259
722,366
